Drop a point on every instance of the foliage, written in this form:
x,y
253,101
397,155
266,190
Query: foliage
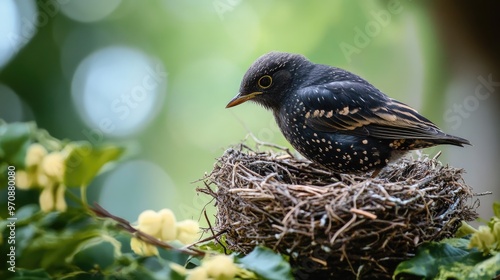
x,y
474,256
79,242
74,243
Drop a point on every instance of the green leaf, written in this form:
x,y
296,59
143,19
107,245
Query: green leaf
x,y
486,269
139,272
173,256
267,264
14,141
26,212
214,246
471,269
95,253
26,274
496,209
174,275
83,161
428,259
52,237
425,262
444,261
24,236
48,250
158,268
460,243
81,275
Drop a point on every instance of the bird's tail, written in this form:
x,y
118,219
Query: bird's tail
x,y
452,140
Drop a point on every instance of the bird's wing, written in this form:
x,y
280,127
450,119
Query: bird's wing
x,y
360,109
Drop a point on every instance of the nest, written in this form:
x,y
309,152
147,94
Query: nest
x,y
335,225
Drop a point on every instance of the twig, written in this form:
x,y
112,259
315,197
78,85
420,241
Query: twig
x,y
124,224
363,213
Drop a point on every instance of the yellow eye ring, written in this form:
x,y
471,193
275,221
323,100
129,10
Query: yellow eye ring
x,y
265,81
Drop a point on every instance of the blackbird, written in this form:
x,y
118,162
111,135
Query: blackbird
x,y
336,118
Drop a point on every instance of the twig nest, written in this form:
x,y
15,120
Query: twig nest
x,y
335,225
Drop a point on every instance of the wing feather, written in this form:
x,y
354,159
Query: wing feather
x,y
360,109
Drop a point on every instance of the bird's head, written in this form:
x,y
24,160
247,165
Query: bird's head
x,y
269,79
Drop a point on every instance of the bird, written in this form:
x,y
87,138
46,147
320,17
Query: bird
x,y
335,118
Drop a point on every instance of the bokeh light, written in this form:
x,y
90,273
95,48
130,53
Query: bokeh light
x,y
18,24
118,90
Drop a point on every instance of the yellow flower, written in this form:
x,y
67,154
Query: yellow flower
x,y
187,231
42,180
46,199
142,248
483,239
178,268
53,166
198,273
34,155
220,267
495,230
150,223
24,180
168,228
60,201
52,198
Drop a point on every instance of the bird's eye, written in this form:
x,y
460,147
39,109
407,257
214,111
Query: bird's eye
x,y
265,81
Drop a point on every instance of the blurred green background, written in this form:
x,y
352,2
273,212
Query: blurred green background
x,y
156,76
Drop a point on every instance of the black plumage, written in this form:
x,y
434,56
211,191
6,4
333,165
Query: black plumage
x,y
334,117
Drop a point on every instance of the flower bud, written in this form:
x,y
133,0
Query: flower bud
x,y
60,201
168,227
53,166
34,155
42,180
46,199
495,230
150,223
24,180
198,273
221,267
187,231
142,248
483,239
178,268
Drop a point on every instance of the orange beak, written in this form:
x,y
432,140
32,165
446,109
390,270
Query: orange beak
x,y
240,98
